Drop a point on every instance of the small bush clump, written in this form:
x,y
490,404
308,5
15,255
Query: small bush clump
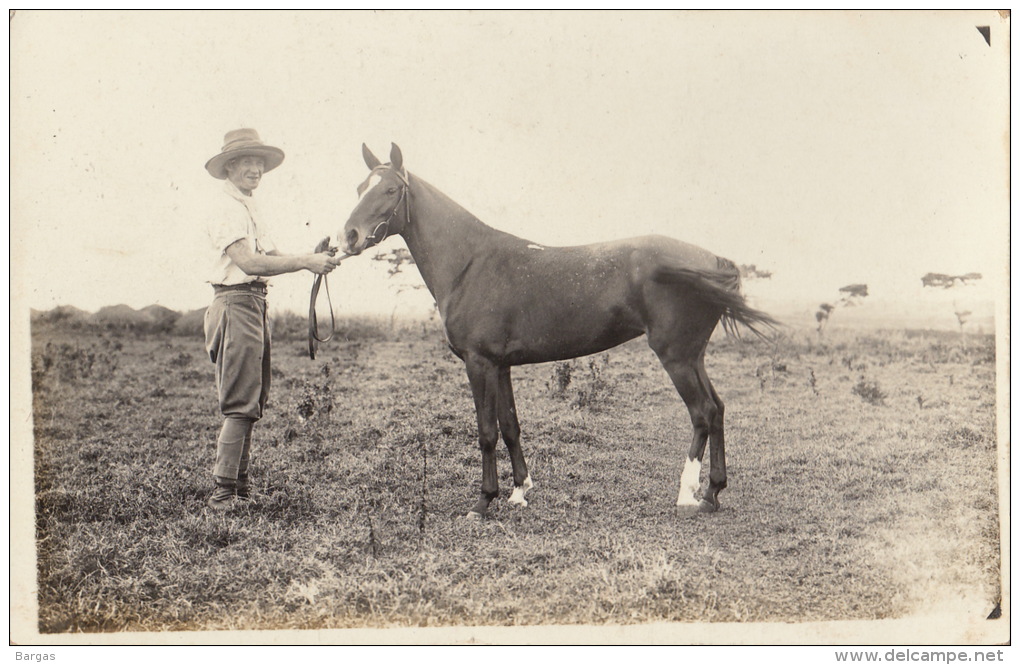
x,y
591,389
560,381
596,388
67,363
313,399
870,392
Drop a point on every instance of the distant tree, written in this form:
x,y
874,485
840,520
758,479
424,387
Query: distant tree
x,y
64,316
937,280
157,319
961,317
822,315
752,272
854,291
398,258
191,323
852,296
118,317
943,281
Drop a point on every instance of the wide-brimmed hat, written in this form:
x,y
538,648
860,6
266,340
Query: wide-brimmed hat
x,y
238,143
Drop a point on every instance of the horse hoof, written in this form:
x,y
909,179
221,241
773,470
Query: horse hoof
x,y
472,515
517,496
687,509
707,506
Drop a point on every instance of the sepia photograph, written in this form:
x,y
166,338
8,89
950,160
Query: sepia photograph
x,y
507,327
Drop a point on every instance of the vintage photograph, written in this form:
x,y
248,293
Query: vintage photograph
x,y
510,327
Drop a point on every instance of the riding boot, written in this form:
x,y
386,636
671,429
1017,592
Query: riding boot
x,y
229,449
243,488
224,495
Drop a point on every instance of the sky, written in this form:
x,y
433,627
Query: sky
x,y
829,148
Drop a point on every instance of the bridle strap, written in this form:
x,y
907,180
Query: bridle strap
x,y
404,198
313,322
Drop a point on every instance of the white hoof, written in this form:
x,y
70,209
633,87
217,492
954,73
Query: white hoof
x,y
472,515
690,482
517,497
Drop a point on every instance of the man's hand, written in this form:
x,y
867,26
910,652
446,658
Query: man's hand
x,y
322,263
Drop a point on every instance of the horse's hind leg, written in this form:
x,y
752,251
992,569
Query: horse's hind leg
x,y
717,446
685,369
510,428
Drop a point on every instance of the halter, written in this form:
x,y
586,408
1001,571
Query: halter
x,y
313,324
404,198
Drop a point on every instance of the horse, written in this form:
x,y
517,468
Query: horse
x,y
506,301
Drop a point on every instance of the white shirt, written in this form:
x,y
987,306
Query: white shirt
x,y
235,216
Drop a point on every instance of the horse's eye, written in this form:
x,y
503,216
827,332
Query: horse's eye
x,y
391,190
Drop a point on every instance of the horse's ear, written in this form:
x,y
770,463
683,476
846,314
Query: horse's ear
x,y
370,159
396,158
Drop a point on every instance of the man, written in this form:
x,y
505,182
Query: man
x,y
237,324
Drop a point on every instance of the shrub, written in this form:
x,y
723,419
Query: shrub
x,y
591,389
358,328
64,316
560,380
870,392
118,317
595,389
311,399
157,319
70,363
190,324
290,326
852,295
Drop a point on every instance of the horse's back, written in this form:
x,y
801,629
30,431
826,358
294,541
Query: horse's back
x,y
523,274
665,252
523,302
648,251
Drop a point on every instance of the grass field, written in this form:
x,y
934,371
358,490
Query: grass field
x,y
862,485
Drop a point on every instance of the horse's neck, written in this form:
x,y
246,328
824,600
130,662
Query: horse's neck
x,y
443,237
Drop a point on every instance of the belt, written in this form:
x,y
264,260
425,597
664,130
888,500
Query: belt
x,y
251,287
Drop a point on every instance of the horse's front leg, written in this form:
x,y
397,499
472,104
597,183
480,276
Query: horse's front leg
x,y
483,376
510,428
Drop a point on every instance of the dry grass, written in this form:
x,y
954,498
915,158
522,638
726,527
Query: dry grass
x,y
839,506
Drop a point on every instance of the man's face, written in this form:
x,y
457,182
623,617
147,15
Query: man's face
x,y
246,172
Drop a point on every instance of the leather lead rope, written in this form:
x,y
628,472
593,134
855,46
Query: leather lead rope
x,y
313,322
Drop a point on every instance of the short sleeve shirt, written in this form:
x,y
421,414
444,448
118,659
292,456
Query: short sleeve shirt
x,y
235,216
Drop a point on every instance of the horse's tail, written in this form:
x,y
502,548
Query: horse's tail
x,y
721,288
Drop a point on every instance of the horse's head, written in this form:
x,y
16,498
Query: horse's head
x,y
383,207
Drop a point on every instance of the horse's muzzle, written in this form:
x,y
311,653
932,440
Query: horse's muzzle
x,y
352,238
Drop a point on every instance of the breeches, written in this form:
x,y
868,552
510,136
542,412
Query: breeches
x,y
237,338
